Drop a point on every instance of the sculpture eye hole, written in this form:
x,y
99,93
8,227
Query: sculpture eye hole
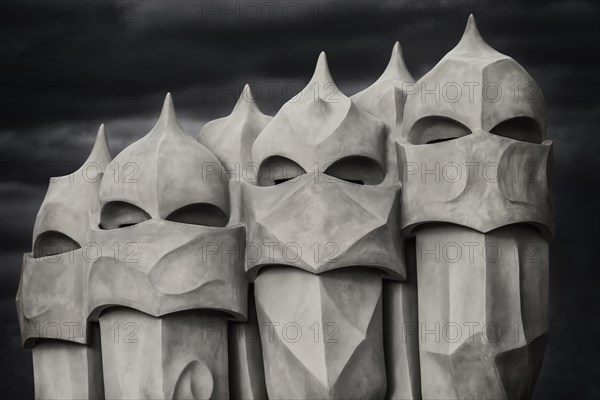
x,y
277,170
51,243
357,169
119,214
282,180
519,128
199,214
439,140
436,129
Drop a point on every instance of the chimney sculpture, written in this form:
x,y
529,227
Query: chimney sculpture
x,y
476,196
388,245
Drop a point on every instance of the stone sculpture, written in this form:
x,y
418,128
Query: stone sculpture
x,y
392,244
482,230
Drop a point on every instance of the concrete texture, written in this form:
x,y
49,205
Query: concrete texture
x,y
321,334
155,255
483,310
319,126
66,370
386,97
177,356
148,174
231,138
476,87
481,180
246,367
401,333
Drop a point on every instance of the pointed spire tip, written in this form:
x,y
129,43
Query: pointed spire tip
x,y
101,133
168,116
322,73
168,109
322,60
471,25
472,44
396,68
168,99
246,100
397,55
100,151
247,93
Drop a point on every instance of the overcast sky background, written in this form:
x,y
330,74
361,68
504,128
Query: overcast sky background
x,y
68,67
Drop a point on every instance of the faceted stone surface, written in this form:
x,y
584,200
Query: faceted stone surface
x,y
321,334
483,310
401,332
180,355
67,370
246,368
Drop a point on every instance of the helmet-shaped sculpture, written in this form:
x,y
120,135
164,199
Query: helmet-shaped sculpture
x,y
163,230
475,172
323,218
52,291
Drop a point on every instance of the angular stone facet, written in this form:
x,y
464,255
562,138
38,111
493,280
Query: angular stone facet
x,y
321,334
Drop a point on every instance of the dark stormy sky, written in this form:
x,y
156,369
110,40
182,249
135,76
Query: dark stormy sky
x,y
67,67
